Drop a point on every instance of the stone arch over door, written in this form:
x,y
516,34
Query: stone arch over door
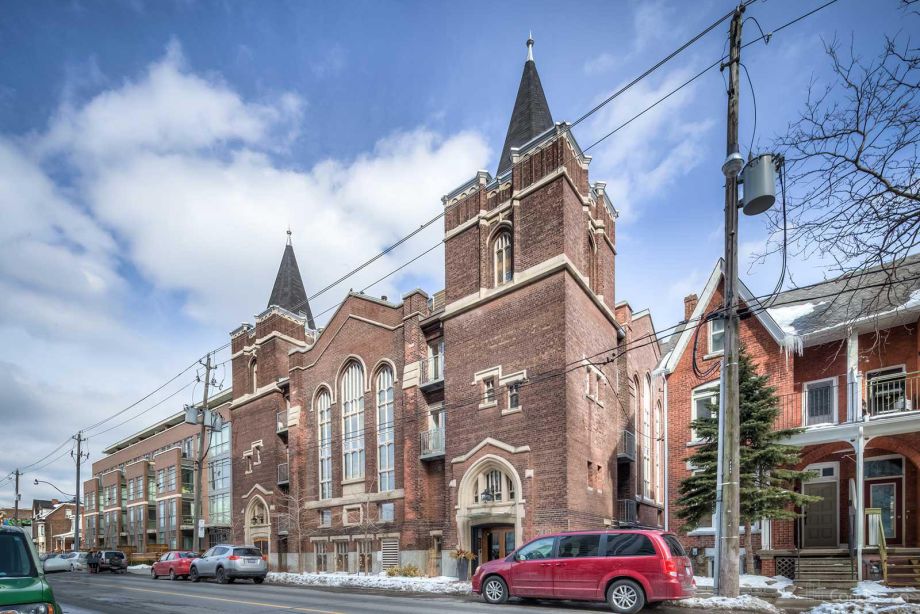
x,y
258,522
471,512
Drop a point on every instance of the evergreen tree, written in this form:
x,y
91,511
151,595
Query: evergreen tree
x,y
767,471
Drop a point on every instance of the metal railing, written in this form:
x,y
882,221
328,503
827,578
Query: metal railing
x,y
627,510
431,370
283,473
281,421
837,401
431,442
627,447
187,521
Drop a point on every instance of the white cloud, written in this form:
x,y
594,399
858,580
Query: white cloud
x,y
601,64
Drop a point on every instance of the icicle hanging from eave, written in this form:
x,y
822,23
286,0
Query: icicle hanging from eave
x,y
792,343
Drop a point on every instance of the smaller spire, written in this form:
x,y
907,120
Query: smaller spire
x,y
289,234
530,47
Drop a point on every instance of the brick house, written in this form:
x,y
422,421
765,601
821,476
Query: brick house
x,y
52,527
843,357
476,417
141,493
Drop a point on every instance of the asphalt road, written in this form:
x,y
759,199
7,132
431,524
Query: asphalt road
x,y
81,593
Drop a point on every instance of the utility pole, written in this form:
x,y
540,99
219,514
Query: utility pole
x,y
16,503
729,519
202,450
80,455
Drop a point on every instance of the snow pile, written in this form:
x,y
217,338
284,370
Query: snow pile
x,y
744,603
781,584
785,316
876,605
868,589
141,567
438,584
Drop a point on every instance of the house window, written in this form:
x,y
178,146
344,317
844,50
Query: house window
x,y
503,258
493,486
387,512
647,437
705,404
325,518
324,437
821,402
386,447
488,391
514,395
322,556
716,336
353,422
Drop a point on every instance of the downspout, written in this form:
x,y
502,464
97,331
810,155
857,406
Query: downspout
x,y
860,503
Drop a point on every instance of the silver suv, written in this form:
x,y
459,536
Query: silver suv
x,y
227,562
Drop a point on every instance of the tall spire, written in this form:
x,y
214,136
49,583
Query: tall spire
x,y
531,116
288,291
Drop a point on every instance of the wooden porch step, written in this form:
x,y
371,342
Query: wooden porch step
x,y
825,583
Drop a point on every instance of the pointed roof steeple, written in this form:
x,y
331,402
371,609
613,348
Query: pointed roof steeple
x,y
288,291
531,116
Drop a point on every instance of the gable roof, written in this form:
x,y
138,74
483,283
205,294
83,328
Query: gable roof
x,y
530,117
289,292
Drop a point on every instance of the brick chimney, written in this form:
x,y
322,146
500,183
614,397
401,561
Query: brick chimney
x,y
689,305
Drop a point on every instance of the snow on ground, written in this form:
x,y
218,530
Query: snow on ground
x,y
869,588
438,584
744,603
782,584
141,567
875,605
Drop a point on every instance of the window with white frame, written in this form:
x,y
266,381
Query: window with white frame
x,y
325,518
821,402
324,441
386,447
716,336
704,404
647,437
514,395
503,257
387,512
488,391
353,422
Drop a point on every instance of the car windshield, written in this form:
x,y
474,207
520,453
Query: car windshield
x,y
247,552
15,558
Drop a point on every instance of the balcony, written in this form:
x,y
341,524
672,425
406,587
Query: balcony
x,y
431,373
627,511
187,522
283,474
431,443
281,422
284,524
626,450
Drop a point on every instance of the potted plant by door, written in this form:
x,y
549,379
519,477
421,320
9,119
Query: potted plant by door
x,y
464,563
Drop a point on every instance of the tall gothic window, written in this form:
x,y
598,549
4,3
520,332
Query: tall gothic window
x,y
659,454
647,441
386,447
503,254
353,422
254,374
324,440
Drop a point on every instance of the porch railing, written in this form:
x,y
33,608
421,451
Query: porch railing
x,y
876,535
432,370
838,401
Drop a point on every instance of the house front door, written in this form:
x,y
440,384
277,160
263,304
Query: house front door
x,y
887,496
819,525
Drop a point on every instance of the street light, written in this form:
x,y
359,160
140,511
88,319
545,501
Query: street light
x,y
36,481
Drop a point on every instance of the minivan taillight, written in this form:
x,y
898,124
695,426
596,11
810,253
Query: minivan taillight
x,y
669,567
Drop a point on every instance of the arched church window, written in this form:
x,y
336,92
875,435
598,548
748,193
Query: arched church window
x,y
504,258
353,422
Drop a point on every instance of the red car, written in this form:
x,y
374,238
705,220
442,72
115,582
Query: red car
x,y
174,564
625,568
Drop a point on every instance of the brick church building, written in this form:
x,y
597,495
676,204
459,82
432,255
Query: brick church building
x,y
477,417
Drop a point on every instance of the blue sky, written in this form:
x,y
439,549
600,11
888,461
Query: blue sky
x,y
152,154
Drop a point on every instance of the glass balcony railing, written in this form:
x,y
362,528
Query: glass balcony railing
x,y
432,371
281,422
431,442
627,448
283,473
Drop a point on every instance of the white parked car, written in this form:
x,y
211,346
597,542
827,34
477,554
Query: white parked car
x,y
78,561
68,561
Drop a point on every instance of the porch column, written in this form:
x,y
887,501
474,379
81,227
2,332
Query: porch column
x,y
854,402
860,445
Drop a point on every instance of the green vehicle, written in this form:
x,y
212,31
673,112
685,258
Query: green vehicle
x,y
23,588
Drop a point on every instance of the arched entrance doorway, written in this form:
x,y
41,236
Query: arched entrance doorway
x,y
258,525
490,509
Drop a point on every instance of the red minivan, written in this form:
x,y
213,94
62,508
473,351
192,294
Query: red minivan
x,y
626,568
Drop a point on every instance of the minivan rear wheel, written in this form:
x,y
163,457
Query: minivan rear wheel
x,y
625,597
494,590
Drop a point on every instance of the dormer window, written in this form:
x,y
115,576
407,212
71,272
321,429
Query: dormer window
x,y
503,256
